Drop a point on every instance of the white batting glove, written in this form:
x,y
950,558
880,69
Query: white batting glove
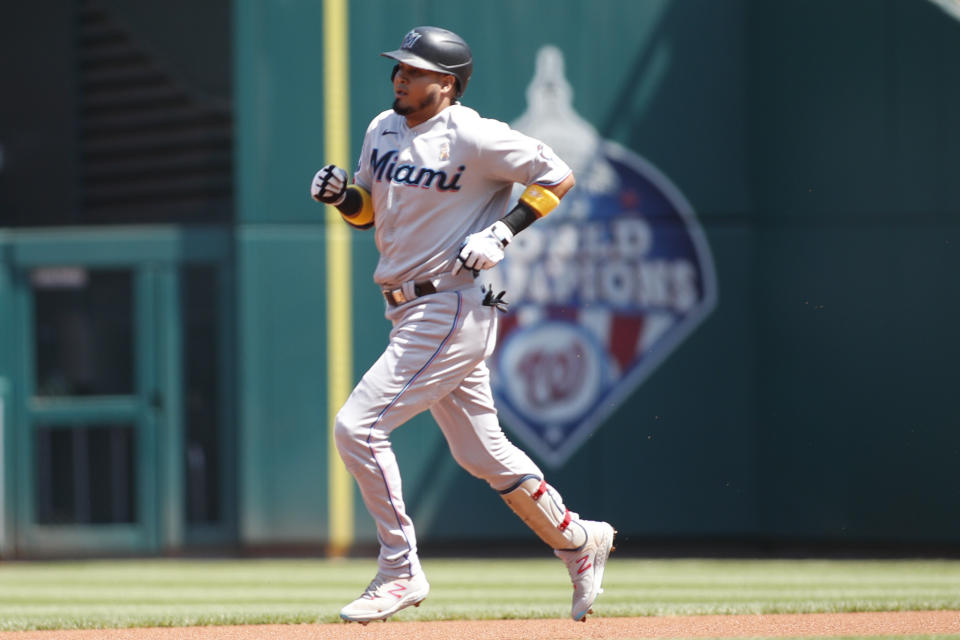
x,y
329,185
484,249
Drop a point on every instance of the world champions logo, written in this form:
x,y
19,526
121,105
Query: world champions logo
x,y
602,290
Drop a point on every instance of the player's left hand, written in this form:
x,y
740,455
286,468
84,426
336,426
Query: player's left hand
x,y
484,249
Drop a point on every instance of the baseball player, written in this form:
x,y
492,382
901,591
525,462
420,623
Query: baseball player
x,y
434,180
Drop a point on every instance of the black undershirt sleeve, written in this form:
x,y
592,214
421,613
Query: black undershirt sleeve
x,y
519,218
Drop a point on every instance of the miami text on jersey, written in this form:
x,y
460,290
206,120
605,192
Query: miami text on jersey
x,y
411,174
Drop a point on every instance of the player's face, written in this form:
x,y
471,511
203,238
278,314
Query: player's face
x,y
418,93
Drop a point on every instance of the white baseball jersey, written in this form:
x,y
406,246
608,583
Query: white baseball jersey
x,y
435,183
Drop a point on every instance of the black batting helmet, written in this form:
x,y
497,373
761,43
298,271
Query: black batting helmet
x,y
436,49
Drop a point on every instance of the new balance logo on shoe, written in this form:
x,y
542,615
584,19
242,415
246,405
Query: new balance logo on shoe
x,y
385,596
583,564
586,566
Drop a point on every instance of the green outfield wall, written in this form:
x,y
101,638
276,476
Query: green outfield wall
x,y
817,143
857,232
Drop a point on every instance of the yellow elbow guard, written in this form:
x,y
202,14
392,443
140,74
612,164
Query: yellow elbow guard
x,y
540,199
362,218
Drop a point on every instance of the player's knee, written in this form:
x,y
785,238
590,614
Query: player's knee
x,y
345,434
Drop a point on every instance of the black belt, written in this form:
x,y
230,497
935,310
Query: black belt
x,y
396,297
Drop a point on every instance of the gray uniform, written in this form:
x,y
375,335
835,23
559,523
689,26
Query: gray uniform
x,y
431,186
435,183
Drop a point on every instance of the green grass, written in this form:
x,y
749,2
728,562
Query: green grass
x,y
49,595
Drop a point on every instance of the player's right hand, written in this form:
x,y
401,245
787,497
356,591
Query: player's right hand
x,y
329,185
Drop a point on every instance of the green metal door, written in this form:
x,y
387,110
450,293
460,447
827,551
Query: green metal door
x,y
93,400
117,360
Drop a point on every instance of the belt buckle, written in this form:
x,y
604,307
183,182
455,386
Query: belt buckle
x,y
396,295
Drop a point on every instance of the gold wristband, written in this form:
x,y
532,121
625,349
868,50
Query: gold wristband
x,y
540,199
362,218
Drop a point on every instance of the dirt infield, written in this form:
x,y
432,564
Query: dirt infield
x,y
780,625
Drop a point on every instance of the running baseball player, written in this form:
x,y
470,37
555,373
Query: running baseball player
x,y
434,180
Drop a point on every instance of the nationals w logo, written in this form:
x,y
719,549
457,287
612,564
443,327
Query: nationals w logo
x,y
551,376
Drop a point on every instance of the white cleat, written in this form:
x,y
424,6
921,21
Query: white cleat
x,y
585,566
384,597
